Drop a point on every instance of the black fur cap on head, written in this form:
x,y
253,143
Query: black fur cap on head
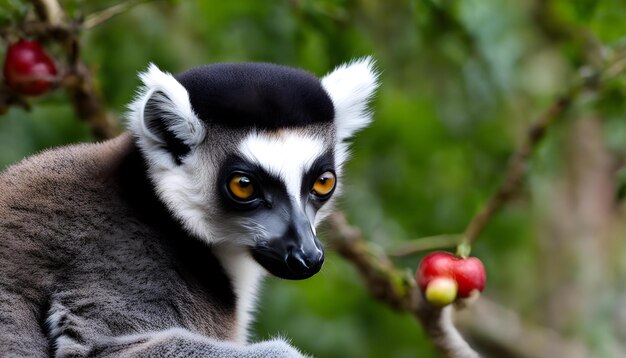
x,y
174,113
260,95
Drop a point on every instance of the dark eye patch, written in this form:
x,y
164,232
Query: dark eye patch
x,y
268,185
324,163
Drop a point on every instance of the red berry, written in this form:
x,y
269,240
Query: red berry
x,y
28,69
434,265
469,273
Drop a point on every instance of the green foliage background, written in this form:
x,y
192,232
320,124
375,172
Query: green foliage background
x,y
461,80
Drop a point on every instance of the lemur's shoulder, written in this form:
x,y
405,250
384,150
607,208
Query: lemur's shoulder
x,y
69,167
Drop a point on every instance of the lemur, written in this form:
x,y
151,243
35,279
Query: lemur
x,y
154,243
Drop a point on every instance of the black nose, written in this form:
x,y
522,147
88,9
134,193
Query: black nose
x,y
294,254
305,263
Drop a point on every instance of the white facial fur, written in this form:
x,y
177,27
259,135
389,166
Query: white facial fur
x,y
287,155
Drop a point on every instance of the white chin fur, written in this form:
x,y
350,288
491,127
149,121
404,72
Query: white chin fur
x,y
246,276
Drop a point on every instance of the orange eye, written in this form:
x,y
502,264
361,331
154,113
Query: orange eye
x,y
241,187
325,184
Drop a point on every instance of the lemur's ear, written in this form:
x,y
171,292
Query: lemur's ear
x,y
350,86
162,116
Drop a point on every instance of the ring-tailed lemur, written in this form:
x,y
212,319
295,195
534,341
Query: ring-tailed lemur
x,y
154,243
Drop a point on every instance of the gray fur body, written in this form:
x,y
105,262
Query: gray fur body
x,y
76,282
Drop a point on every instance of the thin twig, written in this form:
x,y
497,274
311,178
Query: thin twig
x,y
519,160
100,17
49,11
617,65
513,176
517,166
427,243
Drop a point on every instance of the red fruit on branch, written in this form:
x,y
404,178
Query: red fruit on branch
x,y
469,274
28,69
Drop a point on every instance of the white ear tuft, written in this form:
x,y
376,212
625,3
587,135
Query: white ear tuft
x,y
161,114
350,87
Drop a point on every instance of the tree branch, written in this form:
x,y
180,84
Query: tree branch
x,y
396,288
515,173
537,131
78,80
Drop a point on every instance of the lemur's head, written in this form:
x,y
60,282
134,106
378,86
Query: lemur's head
x,y
250,155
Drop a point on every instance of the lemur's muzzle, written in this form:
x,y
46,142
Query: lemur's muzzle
x,y
295,255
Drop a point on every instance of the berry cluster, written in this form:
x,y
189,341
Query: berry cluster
x,y
444,277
